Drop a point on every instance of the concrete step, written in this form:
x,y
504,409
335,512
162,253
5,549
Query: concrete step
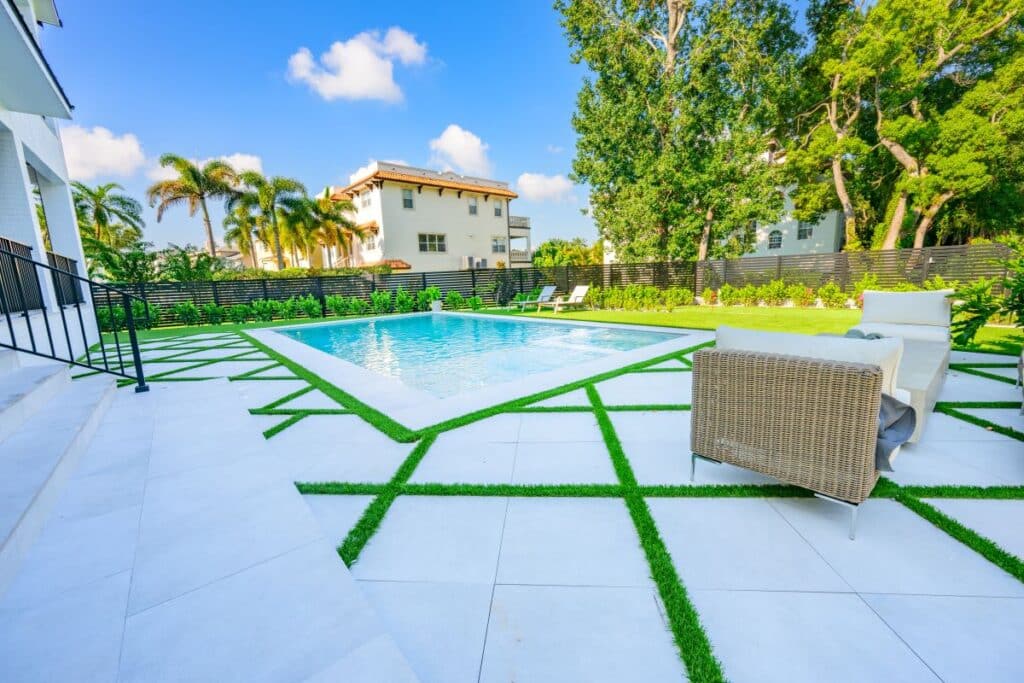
x,y
23,390
37,459
8,361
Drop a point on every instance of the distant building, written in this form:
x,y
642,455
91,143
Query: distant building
x,y
791,237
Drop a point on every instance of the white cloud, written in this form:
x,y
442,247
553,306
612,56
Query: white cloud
x,y
239,161
363,171
459,149
360,68
555,149
95,152
544,188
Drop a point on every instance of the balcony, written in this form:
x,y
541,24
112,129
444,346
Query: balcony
x,y
519,222
520,256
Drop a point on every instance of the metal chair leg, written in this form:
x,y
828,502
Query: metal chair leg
x,y
853,523
693,467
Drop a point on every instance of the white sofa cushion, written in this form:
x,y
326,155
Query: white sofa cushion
x,y
932,333
883,353
907,308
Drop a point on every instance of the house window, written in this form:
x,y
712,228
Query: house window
x,y
364,199
472,206
498,245
497,209
775,239
432,243
406,199
804,231
370,243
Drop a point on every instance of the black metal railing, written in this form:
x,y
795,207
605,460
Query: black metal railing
x,y
22,296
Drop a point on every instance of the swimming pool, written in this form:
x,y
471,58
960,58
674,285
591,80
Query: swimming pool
x,y
445,355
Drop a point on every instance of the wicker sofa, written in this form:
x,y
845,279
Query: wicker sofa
x,y
801,409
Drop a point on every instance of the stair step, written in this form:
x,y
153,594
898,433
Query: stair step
x,y
8,361
37,459
24,390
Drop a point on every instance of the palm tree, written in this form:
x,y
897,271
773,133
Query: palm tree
x,y
107,215
242,229
267,195
194,185
334,228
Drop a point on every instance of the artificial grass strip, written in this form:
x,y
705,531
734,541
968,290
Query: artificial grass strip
x,y
382,422
283,425
649,407
300,411
946,409
977,404
550,409
284,399
970,370
971,492
985,547
516,490
958,366
724,491
335,488
663,370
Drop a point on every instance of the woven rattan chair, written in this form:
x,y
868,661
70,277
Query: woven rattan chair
x,y
807,422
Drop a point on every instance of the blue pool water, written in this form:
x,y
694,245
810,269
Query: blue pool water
x,y
446,355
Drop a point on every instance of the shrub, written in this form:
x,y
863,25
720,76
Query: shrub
x,y
651,298
800,295
938,282
709,296
290,307
677,296
728,295
358,306
976,304
905,287
869,281
832,295
613,297
310,306
380,301
337,304
239,313
265,310
773,293
185,312
426,296
475,302
748,295
212,314
404,301
145,319
594,297
454,300
110,318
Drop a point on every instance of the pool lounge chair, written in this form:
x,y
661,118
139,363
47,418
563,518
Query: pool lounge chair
x,y
575,299
545,295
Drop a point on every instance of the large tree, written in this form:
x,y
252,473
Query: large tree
x,y
268,196
107,215
676,122
243,229
193,186
574,252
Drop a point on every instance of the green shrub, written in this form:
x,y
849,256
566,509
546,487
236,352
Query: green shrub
x,y
337,304
290,307
358,306
832,295
239,313
1013,286
265,310
404,301
709,296
976,304
426,296
110,318
475,302
613,297
380,301
310,306
728,295
937,282
454,300
212,314
869,281
140,317
800,295
748,295
186,312
594,297
773,293
677,296
651,298
905,287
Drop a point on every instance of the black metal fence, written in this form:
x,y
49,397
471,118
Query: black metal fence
x,y
963,263
21,287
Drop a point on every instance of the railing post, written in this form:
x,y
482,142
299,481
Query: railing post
x,y
129,321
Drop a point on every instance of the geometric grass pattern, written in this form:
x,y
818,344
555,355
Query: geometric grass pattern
x,y
196,357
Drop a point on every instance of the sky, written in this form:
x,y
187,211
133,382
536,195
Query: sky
x,y
316,90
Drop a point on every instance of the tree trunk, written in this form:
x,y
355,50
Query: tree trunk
x,y
279,255
209,228
849,217
705,236
928,218
899,215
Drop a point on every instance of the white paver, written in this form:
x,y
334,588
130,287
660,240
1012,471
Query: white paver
x,y
966,357
227,368
558,427
449,462
575,398
594,634
960,463
663,426
647,388
1005,417
315,399
739,544
671,364
658,463
502,428
256,394
585,462
1009,373
942,427
997,520
571,542
336,515
791,637
965,387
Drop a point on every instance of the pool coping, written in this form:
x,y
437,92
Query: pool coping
x,y
417,409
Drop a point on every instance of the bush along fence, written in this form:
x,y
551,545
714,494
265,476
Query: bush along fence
x,y
830,280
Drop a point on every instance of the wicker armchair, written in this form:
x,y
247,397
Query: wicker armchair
x,y
808,422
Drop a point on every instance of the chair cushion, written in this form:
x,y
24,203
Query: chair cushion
x,y
882,353
907,308
932,333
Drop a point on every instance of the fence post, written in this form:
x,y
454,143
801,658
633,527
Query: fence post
x,y
264,283
927,256
319,288
472,280
373,282
423,276
778,267
569,282
213,290
521,290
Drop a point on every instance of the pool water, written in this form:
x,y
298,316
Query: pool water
x,y
445,355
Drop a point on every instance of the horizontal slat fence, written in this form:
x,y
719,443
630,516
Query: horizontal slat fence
x,y
963,263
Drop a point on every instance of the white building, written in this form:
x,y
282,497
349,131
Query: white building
x,y
32,170
790,237
424,220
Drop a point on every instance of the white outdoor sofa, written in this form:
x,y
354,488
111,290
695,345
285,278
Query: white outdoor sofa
x,y
921,320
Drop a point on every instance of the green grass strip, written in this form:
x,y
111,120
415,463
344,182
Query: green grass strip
x,y
300,411
516,490
985,547
972,492
368,524
981,373
691,639
959,366
977,404
283,425
284,399
339,488
980,422
724,491
382,422
662,370
655,407
550,409
255,371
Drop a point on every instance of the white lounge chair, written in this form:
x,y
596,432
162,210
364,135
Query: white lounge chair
x,y
545,295
576,298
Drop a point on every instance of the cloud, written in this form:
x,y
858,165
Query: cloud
x,y
96,152
459,149
555,149
239,161
544,188
360,68
364,171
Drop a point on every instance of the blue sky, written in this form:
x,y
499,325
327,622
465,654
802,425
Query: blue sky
x,y
209,79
